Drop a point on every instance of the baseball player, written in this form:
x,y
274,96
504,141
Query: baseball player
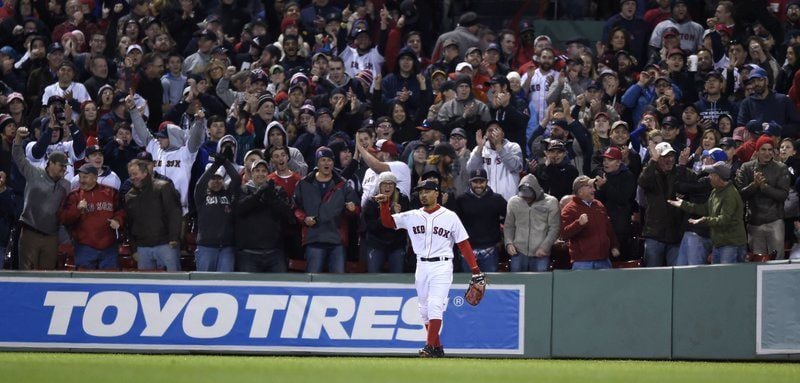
x,y
433,230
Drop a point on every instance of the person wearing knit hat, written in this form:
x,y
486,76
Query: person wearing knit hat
x,y
764,185
324,201
385,245
385,160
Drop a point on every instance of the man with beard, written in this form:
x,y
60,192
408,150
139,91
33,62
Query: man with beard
x,y
537,83
556,174
292,60
764,186
712,104
482,211
765,105
364,56
691,33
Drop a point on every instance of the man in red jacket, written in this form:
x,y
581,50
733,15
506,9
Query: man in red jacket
x,y
93,215
588,229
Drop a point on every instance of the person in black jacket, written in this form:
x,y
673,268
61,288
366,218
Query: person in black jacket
x,y
260,215
482,211
215,251
385,244
616,189
556,174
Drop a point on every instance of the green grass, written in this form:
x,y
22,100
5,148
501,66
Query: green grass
x,y
121,368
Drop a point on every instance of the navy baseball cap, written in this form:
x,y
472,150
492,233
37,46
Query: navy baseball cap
x,y
428,185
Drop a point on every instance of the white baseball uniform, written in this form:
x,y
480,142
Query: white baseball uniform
x,y
538,89
432,235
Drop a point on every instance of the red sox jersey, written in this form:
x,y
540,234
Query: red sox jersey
x,y
432,234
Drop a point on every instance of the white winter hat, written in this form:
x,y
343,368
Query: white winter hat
x,y
387,177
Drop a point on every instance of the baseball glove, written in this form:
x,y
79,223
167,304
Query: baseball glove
x,y
476,290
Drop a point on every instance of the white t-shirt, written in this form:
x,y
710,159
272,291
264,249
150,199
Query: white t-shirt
x,y
354,63
63,147
538,89
111,180
432,234
176,165
399,169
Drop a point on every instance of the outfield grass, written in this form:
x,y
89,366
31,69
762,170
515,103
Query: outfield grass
x,y
120,368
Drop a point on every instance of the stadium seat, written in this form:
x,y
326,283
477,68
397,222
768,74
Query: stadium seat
x,y
297,265
758,258
632,264
66,257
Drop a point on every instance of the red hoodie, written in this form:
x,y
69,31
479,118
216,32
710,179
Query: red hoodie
x,y
91,227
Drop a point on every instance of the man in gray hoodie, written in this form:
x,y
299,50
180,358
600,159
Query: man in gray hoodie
x,y
44,190
276,136
533,221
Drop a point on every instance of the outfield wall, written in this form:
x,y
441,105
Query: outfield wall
x,y
721,312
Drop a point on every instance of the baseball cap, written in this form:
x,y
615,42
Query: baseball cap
x,y
772,128
463,65
716,153
55,47
88,169
54,99
428,185
499,79
720,168
438,72
756,72
386,146
714,74
258,162
620,124
670,121
727,142
493,47
526,26
556,145
613,153
664,148
323,111
676,51
738,133
478,174
459,132
15,96
755,127
133,47
144,156
92,150
670,32
450,42
470,50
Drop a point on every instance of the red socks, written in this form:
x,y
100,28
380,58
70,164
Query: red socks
x,y
433,332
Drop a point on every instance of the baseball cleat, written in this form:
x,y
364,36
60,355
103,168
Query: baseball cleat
x,y
431,352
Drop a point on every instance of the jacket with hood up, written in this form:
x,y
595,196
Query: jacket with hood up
x,y
395,82
177,159
535,226
296,163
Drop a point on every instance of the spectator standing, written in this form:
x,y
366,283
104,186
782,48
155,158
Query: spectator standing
x,y
93,215
663,224
260,215
482,211
764,186
723,213
322,200
8,215
173,149
531,226
44,190
763,104
587,228
215,218
501,158
556,174
384,161
385,244
154,218
616,189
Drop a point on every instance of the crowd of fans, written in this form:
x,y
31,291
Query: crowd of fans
x,y
254,132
